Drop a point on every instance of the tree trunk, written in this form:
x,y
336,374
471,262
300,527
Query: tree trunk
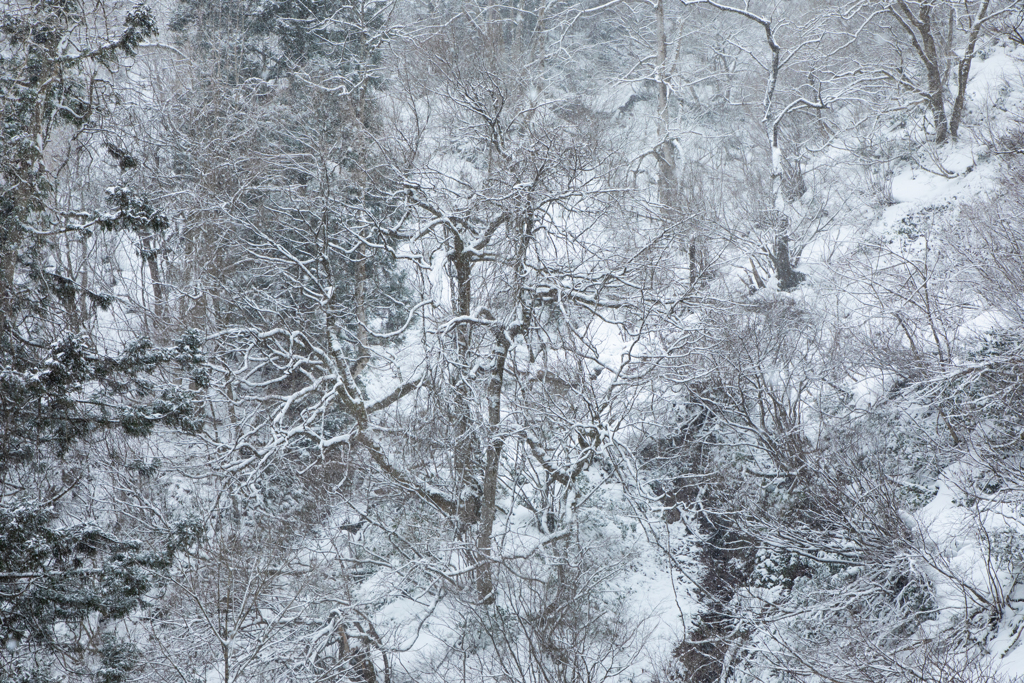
x,y
788,277
466,444
919,28
154,275
666,151
362,333
492,462
963,71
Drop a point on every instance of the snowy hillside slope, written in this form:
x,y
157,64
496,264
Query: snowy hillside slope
x,y
911,263
863,361
604,342
703,477
886,263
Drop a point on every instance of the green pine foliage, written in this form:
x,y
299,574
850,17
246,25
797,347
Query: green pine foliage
x,y
66,578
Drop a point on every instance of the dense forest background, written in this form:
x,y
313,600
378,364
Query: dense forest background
x,y
381,341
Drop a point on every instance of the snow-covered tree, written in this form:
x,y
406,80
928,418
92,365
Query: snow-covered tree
x,y
68,383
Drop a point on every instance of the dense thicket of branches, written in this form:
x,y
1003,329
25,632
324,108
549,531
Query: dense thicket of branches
x,y
387,340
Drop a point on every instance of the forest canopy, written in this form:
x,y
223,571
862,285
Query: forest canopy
x,y
387,341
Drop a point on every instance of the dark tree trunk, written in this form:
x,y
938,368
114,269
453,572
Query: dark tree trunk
x,y
788,277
